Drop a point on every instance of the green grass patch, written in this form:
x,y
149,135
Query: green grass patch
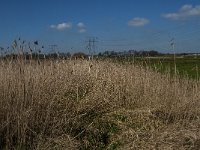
x,y
185,66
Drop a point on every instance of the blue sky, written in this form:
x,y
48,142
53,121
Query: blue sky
x,y
118,24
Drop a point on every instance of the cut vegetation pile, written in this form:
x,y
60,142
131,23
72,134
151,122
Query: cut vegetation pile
x,y
80,104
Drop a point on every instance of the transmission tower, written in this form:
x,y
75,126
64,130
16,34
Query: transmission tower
x,y
91,46
172,43
53,48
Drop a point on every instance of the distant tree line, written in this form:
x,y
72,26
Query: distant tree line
x,y
143,53
81,55
78,55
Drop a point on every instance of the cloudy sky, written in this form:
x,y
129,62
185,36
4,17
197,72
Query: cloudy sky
x,y
117,24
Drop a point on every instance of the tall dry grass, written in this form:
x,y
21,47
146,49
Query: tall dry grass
x,y
63,104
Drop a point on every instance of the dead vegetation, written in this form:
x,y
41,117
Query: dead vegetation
x,y
63,104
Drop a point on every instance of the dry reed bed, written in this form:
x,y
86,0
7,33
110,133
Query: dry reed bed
x,y
67,105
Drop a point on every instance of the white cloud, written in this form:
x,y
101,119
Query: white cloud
x,y
138,22
68,25
81,27
62,26
185,12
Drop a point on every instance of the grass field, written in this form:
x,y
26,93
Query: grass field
x,y
80,104
188,67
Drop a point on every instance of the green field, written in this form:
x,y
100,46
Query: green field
x,y
188,67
